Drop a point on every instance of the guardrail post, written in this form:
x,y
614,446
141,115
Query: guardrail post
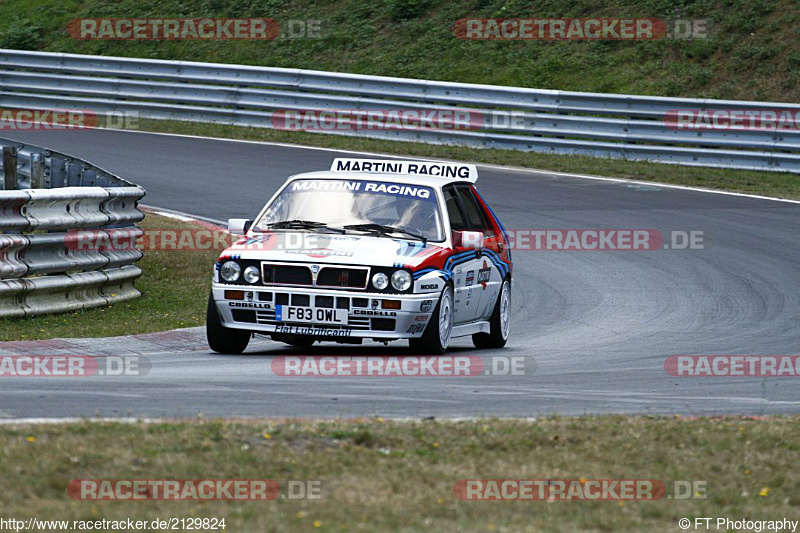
x,y
37,171
58,172
88,178
9,168
73,175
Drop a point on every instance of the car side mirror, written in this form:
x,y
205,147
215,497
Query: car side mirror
x,y
468,239
239,225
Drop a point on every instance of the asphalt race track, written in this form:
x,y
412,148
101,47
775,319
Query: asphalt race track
x,y
594,327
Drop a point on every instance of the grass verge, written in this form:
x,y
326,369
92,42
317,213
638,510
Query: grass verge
x,y
398,475
774,184
174,286
748,51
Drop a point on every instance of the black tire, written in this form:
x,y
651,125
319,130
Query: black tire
x,y
222,339
498,330
431,342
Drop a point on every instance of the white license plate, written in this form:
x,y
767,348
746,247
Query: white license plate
x,y
310,315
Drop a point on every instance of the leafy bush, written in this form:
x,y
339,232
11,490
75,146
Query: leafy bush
x,y
406,9
21,34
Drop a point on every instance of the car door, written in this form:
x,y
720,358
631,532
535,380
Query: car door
x,y
464,263
482,292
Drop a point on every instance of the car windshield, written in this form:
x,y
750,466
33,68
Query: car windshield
x,y
340,203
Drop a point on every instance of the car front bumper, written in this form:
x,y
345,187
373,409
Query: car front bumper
x,y
367,315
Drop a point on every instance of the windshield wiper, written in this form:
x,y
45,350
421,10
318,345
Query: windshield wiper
x,y
302,224
385,230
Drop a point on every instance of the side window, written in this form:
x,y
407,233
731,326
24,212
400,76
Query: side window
x,y
474,214
454,213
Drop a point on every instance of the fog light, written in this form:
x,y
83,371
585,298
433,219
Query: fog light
x,y
391,304
234,295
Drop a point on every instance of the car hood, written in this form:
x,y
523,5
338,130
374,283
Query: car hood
x,y
332,248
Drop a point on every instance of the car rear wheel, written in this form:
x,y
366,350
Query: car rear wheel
x,y
440,327
499,323
222,339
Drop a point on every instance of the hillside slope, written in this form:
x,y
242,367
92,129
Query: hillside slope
x,y
752,50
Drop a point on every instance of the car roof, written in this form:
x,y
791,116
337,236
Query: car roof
x,y
428,181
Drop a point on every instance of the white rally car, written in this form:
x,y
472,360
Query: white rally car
x,y
372,249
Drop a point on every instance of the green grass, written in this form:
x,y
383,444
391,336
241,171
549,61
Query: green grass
x,y
382,475
775,184
752,52
174,286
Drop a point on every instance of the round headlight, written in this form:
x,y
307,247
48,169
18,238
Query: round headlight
x,y
251,274
401,280
380,281
230,271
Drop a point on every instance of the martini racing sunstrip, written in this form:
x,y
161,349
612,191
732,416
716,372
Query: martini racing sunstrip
x,y
371,249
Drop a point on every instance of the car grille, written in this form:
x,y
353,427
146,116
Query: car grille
x,y
301,276
286,274
351,278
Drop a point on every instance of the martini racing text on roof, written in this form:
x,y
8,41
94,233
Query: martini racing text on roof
x,y
434,169
368,186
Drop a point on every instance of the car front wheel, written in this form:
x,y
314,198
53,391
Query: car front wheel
x,y
440,327
499,323
222,339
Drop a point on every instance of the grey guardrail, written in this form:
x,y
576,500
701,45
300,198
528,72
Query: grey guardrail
x,y
560,122
58,219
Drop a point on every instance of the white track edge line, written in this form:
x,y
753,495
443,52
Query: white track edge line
x,y
245,419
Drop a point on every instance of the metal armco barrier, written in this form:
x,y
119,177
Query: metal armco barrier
x,y
559,122
54,211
